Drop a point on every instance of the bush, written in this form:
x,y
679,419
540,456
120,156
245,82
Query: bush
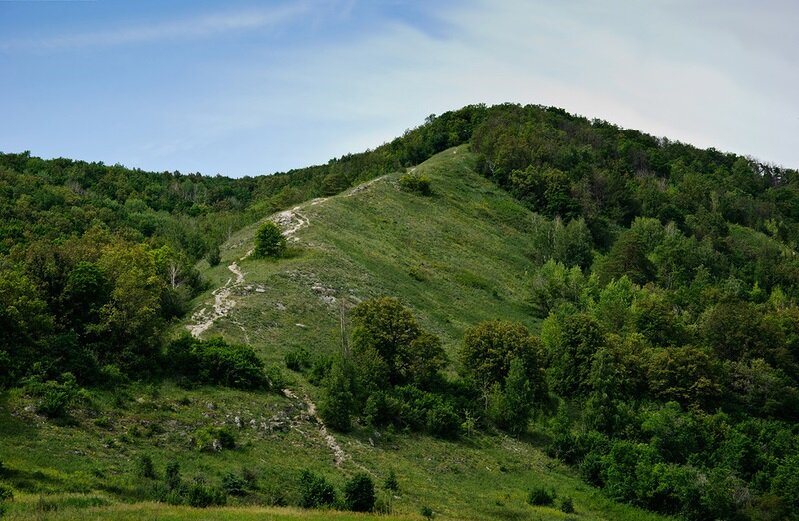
x,y
172,475
540,496
443,421
6,494
391,482
215,361
269,241
234,484
200,494
338,405
298,359
315,491
144,467
55,398
416,183
359,493
214,439
213,256
567,505
427,512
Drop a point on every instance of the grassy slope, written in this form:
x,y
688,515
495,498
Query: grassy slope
x,y
455,258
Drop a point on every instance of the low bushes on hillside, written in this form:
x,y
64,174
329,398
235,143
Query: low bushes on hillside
x,y
215,361
416,183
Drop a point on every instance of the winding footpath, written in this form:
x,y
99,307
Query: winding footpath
x,y
291,221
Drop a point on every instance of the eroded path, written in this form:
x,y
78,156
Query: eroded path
x,y
338,453
223,303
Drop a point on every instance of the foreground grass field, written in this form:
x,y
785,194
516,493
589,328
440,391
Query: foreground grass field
x,y
455,258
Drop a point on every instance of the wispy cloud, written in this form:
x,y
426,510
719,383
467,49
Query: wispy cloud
x,y
196,27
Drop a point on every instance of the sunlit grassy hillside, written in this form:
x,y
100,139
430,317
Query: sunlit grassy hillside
x,y
455,258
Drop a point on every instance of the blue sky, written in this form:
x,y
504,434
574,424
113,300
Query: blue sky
x,y
248,88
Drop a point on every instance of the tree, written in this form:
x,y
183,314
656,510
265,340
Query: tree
x,y
338,403
269,241
555,284
627,256
490,350
359,493
489,347
581,336
384,327
511,405
572,243
421,362
687,374
315,490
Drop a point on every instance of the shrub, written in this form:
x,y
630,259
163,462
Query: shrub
x,y
269,241
567,505
55,398
298,359
337,405
416,183
200,494
315,491
443,421
214,439
540,496
234,484
215,361
172,475
359,493
275,377
6,494
144,467
213,256
391,482
427,512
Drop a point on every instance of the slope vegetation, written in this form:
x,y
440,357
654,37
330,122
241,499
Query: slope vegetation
x,y
455,258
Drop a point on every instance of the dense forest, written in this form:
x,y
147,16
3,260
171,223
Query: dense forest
x,y
666,369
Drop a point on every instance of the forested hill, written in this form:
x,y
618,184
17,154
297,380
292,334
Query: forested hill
x,y
96,259
646,295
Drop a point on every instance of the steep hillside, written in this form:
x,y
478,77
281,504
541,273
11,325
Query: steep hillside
x,y
456,257
646,354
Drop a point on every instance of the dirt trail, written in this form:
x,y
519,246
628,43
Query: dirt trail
x,y
223,303
291,221
338,453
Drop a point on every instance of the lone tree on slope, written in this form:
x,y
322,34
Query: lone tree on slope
x,y
269,241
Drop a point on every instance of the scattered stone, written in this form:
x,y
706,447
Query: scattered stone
x,y
280,306
301,325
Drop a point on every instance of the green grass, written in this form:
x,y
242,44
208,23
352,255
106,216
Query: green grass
x,y
455,258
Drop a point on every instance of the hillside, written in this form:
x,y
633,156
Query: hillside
x,y
458,257
546,313
462,263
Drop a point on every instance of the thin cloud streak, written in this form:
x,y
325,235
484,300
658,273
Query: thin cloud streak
x,y
204,26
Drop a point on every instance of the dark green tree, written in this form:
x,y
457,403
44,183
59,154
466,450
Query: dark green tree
x,y
581,336
338,403
269,241
359,493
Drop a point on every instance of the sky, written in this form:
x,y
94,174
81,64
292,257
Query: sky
x,y
249,88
